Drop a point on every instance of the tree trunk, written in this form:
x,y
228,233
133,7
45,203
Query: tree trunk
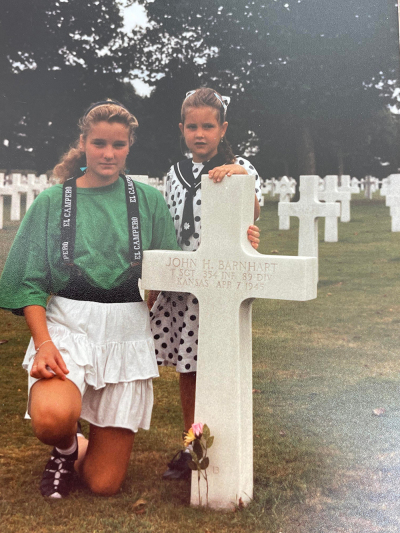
x,y
305,150
340,160
305,155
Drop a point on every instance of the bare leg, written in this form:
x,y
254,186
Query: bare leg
x,y
82,449
106,461
187,384
55,407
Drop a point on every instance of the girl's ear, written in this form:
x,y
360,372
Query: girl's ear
x,y
181,127
224,127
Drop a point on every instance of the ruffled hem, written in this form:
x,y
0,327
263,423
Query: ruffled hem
x,y
116,361
123,405
105,363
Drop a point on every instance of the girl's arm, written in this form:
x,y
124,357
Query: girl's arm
x,y
256,208
48,357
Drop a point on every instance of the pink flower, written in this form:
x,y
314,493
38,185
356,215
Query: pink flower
x,y
198,429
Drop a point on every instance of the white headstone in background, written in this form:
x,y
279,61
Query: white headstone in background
x,y
331,194
226,274
267,187
1,210
15,213
385,187
355,184
393,200
308,209
284,187
140,178
368,186
348,190
4,191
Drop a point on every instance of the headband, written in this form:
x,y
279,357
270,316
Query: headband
x,y
225,100
103,102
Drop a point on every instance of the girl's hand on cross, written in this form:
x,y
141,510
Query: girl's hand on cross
x,y
253,234
217,174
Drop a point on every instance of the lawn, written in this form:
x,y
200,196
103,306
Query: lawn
x,y
326,408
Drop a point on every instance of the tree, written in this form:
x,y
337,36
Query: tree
x,y
297,69
56,57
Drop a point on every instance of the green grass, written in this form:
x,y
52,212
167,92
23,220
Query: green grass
x,y
324,462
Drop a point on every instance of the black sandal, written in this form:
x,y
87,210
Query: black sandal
x,y
58,473
178,468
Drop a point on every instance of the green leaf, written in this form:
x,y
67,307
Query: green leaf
x,y
204,463
209,442
193,455
198,450
206,431
192,465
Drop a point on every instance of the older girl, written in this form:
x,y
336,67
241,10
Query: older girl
x,y
91,354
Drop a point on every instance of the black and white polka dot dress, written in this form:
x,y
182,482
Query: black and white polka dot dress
x,y
175,315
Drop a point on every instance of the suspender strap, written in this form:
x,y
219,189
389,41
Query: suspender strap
x,y
68,224
135,240
68,221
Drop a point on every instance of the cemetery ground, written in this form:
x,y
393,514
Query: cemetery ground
x,y
326,408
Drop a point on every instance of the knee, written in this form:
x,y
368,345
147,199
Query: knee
x,y
103,485
52,425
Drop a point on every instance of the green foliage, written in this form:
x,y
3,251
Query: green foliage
x,y
206,432
313,69
192,465
55,60
197,448
204,463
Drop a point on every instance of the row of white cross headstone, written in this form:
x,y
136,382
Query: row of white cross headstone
x,y
16,184
330,193
286,187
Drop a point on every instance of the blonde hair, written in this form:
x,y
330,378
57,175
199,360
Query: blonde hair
x,y
207,97
71,162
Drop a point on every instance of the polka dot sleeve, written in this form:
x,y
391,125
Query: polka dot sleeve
x,y
251,170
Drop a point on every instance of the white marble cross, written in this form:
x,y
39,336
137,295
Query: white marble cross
x,y
393,200
286,189
369,184
346,187
356,184
226,274
331,194
308,209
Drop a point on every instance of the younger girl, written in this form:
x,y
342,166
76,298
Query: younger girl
x,y
91,354
175,316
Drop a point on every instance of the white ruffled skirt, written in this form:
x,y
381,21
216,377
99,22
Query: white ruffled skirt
x,y
109,352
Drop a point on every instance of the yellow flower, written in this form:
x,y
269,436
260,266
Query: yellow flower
x,y
189,437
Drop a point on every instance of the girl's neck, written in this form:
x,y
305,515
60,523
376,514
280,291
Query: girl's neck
x,y
197,159
89,180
